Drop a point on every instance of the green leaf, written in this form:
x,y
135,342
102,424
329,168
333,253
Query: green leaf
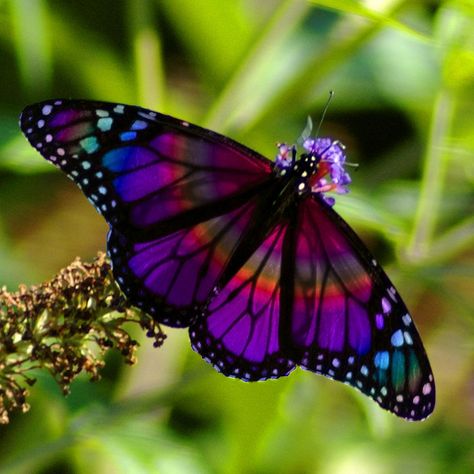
x,y
354,7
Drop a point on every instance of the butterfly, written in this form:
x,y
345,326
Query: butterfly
x,y
247,252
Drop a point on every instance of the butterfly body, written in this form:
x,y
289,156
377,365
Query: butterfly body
x,y
246,252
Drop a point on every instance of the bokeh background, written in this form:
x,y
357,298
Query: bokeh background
x,y
403,73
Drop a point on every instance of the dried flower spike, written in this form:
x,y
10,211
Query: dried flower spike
x,y
65,326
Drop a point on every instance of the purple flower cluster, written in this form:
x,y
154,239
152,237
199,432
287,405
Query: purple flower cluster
x,y
331,152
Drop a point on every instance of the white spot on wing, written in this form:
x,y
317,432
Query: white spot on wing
x,y
46,110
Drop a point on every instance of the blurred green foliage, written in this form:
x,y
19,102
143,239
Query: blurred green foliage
x,y
404,81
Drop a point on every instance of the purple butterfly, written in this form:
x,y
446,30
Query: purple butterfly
x,y
247,252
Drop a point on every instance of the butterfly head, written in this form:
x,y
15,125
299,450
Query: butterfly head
x,y
319,170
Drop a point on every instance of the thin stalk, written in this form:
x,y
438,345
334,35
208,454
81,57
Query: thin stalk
x,y
287,17
348,37
149,74
32,43
433,177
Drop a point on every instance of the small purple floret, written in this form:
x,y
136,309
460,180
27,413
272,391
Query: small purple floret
x,y
331,152
285,156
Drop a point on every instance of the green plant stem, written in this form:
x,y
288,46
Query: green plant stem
x,y
303,86
287,17
432,180
32,43
347,7
149,73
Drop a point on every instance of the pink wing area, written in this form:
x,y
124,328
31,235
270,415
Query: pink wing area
x,y
144,171
346,320
239,333
172,277
331,287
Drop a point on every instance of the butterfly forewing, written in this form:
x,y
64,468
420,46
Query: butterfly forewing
x,y
172,193
147,173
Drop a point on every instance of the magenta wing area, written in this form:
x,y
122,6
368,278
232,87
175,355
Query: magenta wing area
x,y
348,322
239,334
176,274
145,172
312,295
176,196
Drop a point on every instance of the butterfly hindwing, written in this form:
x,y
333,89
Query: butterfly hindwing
x,y
348,322
239,334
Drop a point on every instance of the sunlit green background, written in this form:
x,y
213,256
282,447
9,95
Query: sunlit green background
x,y
254,70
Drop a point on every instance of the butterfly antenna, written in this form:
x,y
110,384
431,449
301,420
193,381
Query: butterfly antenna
x,y
321,120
